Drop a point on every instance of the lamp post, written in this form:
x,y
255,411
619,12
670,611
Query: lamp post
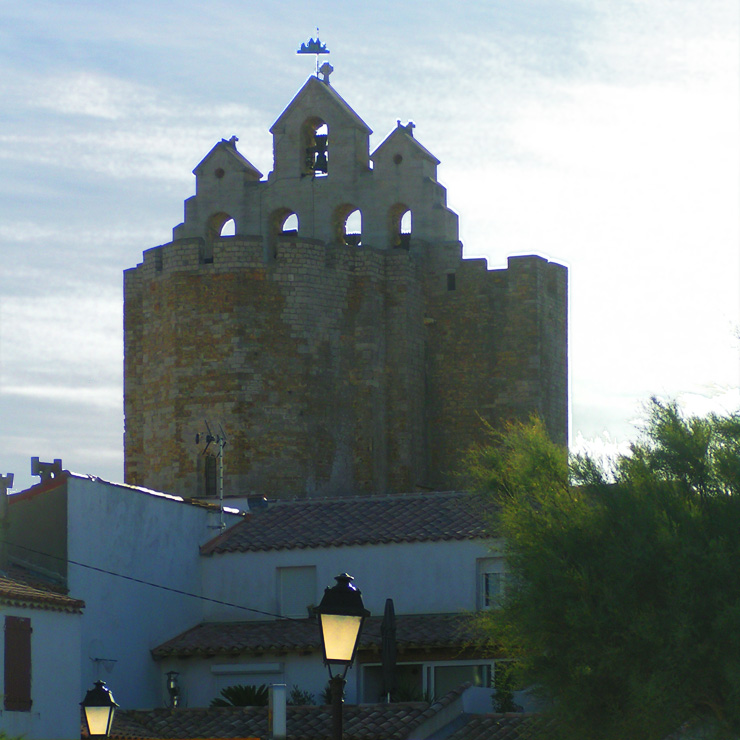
x,y
173,688
99,707
341,614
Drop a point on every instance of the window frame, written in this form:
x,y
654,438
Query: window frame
x,y
485,567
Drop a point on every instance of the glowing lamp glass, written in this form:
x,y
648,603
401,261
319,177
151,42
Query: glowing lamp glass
x,y
340,633
99,720
99,707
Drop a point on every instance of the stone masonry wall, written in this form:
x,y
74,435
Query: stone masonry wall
x,y
332,369
497,351
312,364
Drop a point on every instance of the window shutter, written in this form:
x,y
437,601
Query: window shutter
x,y
17,664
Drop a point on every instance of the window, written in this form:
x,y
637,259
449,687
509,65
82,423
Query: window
x,y
449,677
210,475
296,590
17,664
421,681
491,582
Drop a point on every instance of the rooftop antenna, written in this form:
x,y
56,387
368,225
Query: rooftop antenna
x,y
316,47
220,441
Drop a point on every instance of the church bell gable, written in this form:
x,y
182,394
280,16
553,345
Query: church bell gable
x,y
318,134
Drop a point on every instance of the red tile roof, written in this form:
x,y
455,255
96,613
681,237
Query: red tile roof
x,y
427,631
14,593
29,577
361,722
503,727
340,522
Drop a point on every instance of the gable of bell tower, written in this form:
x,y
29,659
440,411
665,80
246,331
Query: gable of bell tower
x,y
319,128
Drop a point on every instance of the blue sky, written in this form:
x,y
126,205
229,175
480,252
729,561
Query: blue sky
x,y
601,135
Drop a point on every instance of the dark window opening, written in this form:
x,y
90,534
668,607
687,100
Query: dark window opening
x,y
210,475
17,664
451,281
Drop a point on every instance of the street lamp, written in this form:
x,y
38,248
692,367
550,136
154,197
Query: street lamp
x,y
341,614
173,688
99,707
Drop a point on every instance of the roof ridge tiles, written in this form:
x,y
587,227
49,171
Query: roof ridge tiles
x,y
354,521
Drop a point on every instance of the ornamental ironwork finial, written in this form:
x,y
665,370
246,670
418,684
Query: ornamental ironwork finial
x,y
314,46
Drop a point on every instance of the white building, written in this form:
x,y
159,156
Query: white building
x,y
167,590
131,555
427,552
40,679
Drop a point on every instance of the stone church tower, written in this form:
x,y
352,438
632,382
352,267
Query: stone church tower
x,y
339,338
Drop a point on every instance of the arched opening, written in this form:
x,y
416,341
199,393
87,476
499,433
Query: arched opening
x,y
348,225
315,147
220,224
401,226
290,225
282,222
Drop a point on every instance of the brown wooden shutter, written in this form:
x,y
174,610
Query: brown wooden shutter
x,y
17,664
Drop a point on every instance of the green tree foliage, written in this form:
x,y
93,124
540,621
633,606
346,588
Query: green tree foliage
x,y
623,594
243,696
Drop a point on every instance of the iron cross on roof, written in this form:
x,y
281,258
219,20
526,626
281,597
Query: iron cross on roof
x,y
314,46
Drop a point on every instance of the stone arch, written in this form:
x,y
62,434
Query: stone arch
x,y
216,224
217,227
282,221
347,225
315,147
400,226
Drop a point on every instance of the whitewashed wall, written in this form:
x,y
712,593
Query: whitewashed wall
x,y
420,577
141,536
202,680
56,687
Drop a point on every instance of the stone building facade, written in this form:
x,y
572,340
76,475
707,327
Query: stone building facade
x,y
338,338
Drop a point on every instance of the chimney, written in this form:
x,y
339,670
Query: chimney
x,y
46,470
277,724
